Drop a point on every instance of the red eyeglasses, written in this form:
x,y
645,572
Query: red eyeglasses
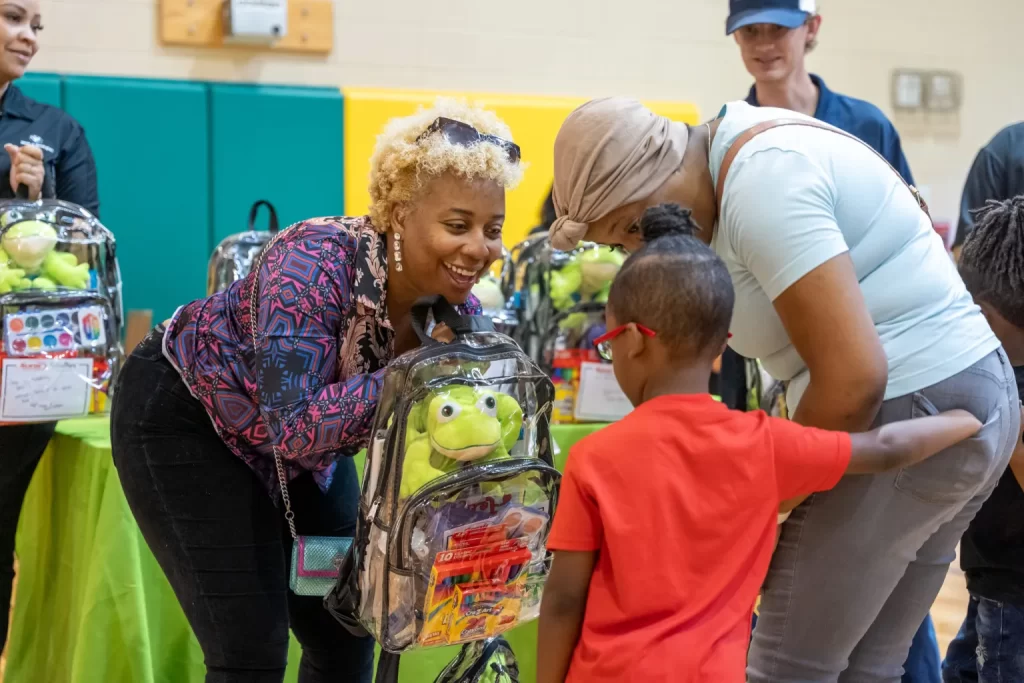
x,y
604,342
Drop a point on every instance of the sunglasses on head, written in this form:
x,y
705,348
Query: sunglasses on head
x,y
465,135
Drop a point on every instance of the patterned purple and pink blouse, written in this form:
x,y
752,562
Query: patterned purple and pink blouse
x,y
324,342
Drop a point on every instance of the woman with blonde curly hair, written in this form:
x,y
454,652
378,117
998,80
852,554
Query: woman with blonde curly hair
x,y
207,398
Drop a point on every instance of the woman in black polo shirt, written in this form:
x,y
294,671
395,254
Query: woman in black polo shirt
x,y
46,152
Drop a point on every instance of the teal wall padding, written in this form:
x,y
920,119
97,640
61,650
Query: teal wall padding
x,y
45,88
151,140
279,144
180,164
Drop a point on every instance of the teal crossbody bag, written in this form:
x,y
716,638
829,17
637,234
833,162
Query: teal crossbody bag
x,y
315,559
315,563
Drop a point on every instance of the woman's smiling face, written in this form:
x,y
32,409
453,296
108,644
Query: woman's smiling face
x,y
20,24
451,234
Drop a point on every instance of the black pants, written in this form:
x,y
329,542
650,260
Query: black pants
x,y
221,540
20,449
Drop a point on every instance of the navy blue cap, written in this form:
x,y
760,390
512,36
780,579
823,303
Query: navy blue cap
x,y
788,13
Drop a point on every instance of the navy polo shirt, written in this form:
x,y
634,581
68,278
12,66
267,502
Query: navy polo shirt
x,y
67,158
859,118
997,173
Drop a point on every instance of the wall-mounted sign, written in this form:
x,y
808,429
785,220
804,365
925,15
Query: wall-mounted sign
x,y
925,91
907,90
943,91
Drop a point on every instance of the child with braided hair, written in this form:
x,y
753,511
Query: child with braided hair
x,y
990,644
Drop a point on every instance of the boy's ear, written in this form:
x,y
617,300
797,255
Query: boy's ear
x,y
637,341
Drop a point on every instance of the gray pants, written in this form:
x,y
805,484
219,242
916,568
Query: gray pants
x,y
858,567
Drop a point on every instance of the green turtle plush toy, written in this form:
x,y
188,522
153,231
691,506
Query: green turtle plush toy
x,y
28,246
586,277
10,278
456,425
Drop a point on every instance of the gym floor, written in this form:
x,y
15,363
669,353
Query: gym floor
x,y
948,610
951,606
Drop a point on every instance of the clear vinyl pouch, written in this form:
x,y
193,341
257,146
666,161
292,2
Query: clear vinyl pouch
x,y
62,317
458,496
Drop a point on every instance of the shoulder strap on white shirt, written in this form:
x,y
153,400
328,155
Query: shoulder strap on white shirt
x,y
750,133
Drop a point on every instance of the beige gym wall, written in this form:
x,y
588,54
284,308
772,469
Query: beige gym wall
x,y
654,49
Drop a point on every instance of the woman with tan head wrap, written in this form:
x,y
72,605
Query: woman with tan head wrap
x,y
845,292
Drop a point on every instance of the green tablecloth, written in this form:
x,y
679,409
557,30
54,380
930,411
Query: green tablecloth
x,y
92,604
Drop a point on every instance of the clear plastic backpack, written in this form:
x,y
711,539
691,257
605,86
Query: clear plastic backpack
x,y
496,298
560,296
235,256
459,491
62,316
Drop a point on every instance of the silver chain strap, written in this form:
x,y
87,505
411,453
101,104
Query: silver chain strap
x,y
289,516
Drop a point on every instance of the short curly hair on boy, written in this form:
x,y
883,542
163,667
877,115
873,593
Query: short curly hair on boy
x,y
401,166
676,285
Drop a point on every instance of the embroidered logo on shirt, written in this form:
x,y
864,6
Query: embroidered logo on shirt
x,y
38,142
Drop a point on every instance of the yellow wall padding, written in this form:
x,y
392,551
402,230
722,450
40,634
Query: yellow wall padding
x,y
534,122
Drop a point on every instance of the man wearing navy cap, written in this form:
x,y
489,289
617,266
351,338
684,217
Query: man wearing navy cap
x,y
774,37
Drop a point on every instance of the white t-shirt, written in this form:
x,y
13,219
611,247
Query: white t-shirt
x,y
798,196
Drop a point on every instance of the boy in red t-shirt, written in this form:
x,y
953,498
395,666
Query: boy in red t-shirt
x,y
666,520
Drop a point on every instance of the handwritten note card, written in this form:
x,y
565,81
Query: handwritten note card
x,y
600,398
44,389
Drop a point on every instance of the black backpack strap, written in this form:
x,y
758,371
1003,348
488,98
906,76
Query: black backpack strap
x,y
387,668
342,601
254,211
478,323
444,312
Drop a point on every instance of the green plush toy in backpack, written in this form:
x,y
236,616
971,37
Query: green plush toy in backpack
x,y
455,425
